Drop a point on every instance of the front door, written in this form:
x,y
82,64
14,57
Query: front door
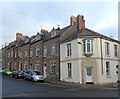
x,y
89,78
20,66
45,72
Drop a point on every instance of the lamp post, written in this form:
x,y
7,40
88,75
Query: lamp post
x,y
82,64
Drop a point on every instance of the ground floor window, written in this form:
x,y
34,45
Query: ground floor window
x,y
69,69
25,66
107,68
37,66
53,67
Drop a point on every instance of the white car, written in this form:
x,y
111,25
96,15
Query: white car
x,y
33,75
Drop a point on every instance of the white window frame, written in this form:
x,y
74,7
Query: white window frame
x,y
107,49
69,50
85,42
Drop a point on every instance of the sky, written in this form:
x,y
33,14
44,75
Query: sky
x,y
30,17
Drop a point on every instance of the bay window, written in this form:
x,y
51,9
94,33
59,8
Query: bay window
x,y
88,46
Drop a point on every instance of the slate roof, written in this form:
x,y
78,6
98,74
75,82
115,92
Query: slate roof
x,y
64,29
59,31
86,33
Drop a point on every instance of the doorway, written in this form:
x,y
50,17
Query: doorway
x,y
45,71
89,78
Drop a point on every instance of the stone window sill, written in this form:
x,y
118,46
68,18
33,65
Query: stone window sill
x,y
108,77
69,77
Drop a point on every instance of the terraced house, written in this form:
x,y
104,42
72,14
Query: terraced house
x,y
40,52
87,56
73,54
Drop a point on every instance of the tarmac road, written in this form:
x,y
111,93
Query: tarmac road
x,y
12,87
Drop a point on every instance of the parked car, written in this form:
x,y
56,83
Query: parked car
x,y
1,70
33,75
7,72
17,74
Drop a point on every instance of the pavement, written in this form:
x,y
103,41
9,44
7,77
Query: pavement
x,y
76,85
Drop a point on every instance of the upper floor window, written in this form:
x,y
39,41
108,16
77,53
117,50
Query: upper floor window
x,y
15,54
19,53
88,46
107,49
53,50
45,52
69,51
11,53
53,34
31,53
26,53
107,68
115,51
37,52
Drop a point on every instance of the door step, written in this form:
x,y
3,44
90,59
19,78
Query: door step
x,y
89,83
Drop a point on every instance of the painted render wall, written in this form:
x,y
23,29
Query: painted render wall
x,y
94,61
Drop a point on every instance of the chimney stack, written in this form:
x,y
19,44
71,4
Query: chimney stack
x,y
19,36
80,22
44,31
73,20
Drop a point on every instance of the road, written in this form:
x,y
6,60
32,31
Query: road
x,y
12,87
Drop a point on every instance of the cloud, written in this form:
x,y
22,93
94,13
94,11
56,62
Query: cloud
x,y
107,22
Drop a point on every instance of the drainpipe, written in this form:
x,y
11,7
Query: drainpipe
x,y
29,56
101,54
59,58
42,57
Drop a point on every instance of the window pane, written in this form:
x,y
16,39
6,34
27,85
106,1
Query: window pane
x,y
88,47
115,50
45,52
107,48
84,46
69,49
53,50
69,70
107,69
53,69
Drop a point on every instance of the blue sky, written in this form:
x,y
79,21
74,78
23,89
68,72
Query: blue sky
x,y
30,17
